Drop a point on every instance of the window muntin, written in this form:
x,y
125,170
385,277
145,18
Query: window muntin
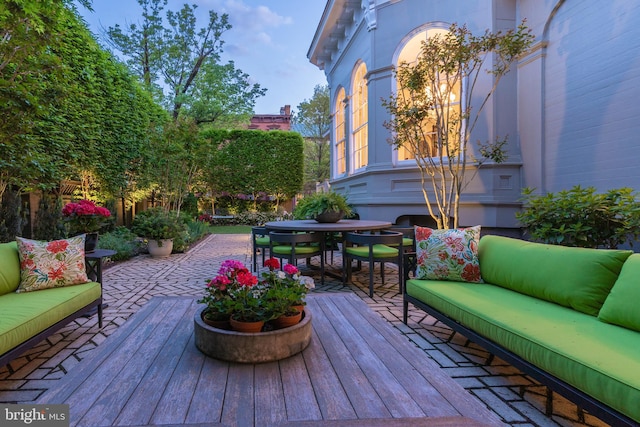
x,y
360,117
340,135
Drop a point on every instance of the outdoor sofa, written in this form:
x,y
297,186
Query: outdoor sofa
x,y
27,318
568,317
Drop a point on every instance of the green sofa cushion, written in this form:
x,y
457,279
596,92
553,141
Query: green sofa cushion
x,y
9,268
573,277
622,305
597,358
24,315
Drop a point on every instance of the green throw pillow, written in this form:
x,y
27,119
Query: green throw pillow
x,y
579,278
622,306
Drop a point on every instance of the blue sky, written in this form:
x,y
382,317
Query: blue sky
x,y
269,41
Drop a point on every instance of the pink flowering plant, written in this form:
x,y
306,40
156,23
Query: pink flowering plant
x,y
287,288
85,216
236,292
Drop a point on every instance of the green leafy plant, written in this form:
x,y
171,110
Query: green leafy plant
x,y
581,217
158,224
123,241
315,204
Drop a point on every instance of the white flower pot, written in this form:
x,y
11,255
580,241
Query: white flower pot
x,y
160,248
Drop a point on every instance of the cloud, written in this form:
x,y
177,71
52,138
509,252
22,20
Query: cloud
x,y
245,17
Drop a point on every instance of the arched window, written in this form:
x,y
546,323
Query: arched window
x,y
360,117
340,146
445,90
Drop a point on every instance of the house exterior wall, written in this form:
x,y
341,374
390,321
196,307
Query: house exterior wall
x,y
569,106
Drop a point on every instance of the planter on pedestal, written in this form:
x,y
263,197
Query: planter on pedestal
x,y
257,347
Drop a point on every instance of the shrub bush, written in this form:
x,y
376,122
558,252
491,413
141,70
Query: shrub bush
x,y
580,217
123,241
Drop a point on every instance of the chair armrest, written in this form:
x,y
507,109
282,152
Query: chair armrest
x,y
409,263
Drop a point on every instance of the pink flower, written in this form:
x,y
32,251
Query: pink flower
x,y
290,269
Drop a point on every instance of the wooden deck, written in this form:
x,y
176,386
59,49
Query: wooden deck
x,y
357,371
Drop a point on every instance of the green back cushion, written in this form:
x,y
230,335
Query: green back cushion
x,y
573,277
9,268
621,306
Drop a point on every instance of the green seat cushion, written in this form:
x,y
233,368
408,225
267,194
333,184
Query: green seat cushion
x,y
379,251
406,242
24,315
300,250
595,357
262,241
621,306
579,278
9,268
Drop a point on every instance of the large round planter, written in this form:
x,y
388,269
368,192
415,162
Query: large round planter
x,y
160,248
329,216
255,347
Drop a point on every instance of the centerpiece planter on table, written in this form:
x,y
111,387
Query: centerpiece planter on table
x,y
264,323
326,207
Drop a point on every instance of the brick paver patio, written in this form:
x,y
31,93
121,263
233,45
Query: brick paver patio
x,y
517,399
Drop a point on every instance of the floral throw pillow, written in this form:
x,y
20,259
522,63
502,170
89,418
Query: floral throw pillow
x,y
448,254
54,264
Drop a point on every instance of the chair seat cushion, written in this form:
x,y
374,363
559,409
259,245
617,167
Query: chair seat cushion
x,y
379,251
286,249
262,241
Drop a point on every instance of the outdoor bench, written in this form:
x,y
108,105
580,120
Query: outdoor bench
x,y
568,317
27,318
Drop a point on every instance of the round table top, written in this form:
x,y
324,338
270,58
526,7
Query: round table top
x,y
313,225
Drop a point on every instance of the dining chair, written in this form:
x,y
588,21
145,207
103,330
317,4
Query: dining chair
x,y
294,246
408,237
260,242
382,246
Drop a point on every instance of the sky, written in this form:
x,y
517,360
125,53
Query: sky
x,y
269,41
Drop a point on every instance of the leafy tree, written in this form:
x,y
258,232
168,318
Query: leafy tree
x,y
185,61
313,121
222,96
434,119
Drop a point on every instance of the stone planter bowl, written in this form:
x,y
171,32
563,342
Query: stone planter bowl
x,y
256,347
329,216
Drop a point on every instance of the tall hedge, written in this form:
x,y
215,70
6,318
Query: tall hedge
x,y
253,161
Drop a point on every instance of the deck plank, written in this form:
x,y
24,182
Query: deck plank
x,y
357,370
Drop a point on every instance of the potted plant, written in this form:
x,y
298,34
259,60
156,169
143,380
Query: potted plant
x,y
286,290
159,227
85,217
326,206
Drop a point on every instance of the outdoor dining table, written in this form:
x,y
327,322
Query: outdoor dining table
x,y
342,226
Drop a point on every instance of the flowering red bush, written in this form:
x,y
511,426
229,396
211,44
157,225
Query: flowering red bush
x,y
85,216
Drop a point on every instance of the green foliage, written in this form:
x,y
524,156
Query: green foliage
x,y
179,64
315,204
253,162
49,224
10,220
581,217
434,118
313,121
190,205
121,240
158,224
